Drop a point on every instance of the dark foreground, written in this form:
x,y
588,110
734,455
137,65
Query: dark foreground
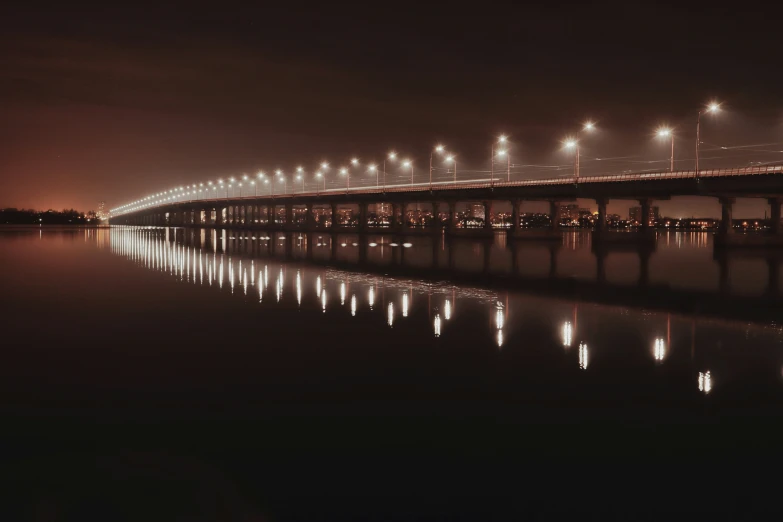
x,y
146,380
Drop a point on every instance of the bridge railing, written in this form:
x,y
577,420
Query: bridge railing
x,y
441,186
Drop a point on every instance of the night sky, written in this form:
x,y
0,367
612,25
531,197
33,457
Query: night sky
x,y
115,103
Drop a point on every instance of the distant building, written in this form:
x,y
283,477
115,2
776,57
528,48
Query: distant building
x,y
101,213
383,209
477,211
569,212
635,215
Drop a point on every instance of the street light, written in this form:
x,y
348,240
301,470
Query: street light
x,y
345,172
573,143
255,190
439,149
713,107
452,159
665,132
282,178
406,164
392,156
373,168
299,177
502,140
319,174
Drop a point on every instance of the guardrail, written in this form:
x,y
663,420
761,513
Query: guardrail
x,y
485,184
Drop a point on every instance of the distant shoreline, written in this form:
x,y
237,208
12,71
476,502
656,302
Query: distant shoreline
x,y
53,225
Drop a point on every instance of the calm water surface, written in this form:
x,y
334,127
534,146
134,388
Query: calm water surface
x,y
169,374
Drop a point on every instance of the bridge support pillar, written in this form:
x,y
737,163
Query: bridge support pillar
x,y
362,225
554,215
600,226
289,214
726,216
309,221
452,215
334,215
645,204
403,216
516,204
435,215
488,215
774,207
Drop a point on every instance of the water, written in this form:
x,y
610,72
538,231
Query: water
x,y
156,373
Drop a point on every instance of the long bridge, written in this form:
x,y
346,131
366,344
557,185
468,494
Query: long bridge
x,y
196,207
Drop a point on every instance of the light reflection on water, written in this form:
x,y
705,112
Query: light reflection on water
x,y
151,249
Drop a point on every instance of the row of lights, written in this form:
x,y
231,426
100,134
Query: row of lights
x,y
448,158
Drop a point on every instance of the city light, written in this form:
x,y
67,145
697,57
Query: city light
x,y
663,132
659,349
705,382
582,356
570,144
567,334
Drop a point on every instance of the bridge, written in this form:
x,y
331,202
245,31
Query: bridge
x,y
195,207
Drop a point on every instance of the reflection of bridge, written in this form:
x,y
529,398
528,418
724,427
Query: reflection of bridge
x,y
193,208
722,303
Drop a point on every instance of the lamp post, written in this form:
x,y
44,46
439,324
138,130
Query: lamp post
x,y
406,164
439,149
452,159
282,178
319,174
501,140
713,107
255,189
373,168
664,132
300,176
505,153
392,156
345,172
574,143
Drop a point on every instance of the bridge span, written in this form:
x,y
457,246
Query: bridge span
x,y
198,208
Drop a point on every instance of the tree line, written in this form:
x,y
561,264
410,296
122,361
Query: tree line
x,y
13,216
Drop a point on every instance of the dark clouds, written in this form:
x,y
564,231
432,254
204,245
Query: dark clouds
x,y
114,102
